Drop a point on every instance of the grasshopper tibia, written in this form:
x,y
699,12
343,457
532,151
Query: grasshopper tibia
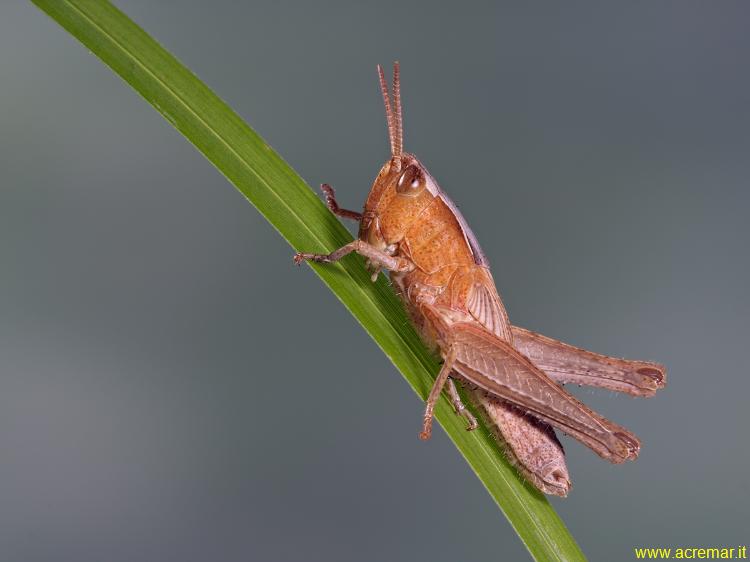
x,y
382,259
432,399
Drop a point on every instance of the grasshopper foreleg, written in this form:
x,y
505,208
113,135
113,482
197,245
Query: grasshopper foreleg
x,y
378,257
460,407
333,205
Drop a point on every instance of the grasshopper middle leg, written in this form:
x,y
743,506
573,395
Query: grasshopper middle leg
x,y
460,407
437,388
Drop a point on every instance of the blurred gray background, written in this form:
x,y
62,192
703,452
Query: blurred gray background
x,y
167,387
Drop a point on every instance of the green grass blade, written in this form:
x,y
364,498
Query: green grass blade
x,y
301,218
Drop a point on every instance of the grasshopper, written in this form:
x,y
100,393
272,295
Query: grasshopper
x,y
410,228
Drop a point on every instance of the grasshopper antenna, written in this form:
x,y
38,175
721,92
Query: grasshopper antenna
x,y
397,118
395,134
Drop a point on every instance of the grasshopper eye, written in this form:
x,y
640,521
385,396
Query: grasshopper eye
x,y
411,181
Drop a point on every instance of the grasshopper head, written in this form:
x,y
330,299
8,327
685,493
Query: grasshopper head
x,y
403,187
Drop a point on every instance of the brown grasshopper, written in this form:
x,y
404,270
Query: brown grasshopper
x,y
411,228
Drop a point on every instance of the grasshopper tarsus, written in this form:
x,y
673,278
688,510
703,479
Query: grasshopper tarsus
x,y
300,257
460,407
333,205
